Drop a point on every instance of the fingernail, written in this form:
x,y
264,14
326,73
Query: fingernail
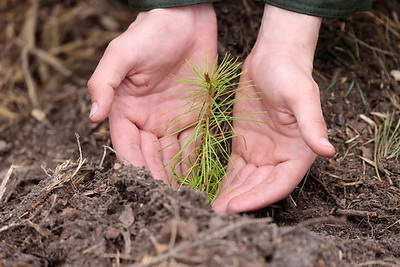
x,y
326,143
94,109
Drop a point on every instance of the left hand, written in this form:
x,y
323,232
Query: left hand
x,y
134,85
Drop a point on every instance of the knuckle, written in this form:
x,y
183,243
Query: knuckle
x,y
91,85
114,45
321,123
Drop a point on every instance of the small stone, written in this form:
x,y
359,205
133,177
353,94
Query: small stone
x,y
126,217
38,114
117,166
183,229
4,146
396,75
68,213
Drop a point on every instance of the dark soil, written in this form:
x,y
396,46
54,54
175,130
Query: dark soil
x,y
346,211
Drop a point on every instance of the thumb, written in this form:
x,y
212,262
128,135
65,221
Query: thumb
x,y
108,75
312,126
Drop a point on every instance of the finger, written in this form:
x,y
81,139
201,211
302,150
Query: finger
x,y
235,171
253,177
268,190
153,156
125,137
308,112
236,176
112,69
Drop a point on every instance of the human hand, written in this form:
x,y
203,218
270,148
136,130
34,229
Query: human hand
x,y
270,158
133,82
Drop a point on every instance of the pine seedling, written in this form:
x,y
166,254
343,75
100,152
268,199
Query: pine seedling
x,y
209,98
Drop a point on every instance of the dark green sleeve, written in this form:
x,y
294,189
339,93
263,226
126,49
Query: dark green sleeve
x,y
142,5
319,8
323,8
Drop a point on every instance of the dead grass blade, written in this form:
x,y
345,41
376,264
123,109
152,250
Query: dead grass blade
x,y
125,160
388,138
376,49
67,173
5,180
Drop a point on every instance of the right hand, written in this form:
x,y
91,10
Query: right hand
x,y
270,158
133,83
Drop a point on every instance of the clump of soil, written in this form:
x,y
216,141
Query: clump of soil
x,y
126,216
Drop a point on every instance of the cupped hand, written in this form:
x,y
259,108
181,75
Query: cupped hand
x,y
133,83
271,157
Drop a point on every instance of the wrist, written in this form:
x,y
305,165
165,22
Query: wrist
x,y
287,30
146,5
200,13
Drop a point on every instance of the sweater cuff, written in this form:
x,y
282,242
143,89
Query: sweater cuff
x,y
323,8
145,5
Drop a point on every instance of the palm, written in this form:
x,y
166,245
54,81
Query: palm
x,y
270,157
134,82
146,112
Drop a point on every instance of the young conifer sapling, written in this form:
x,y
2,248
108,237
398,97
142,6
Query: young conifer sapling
x,y
209,98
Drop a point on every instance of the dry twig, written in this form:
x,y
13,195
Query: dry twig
x,y
359,213
28,35
47,58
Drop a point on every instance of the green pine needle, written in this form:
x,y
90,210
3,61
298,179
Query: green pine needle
x,y
210,99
